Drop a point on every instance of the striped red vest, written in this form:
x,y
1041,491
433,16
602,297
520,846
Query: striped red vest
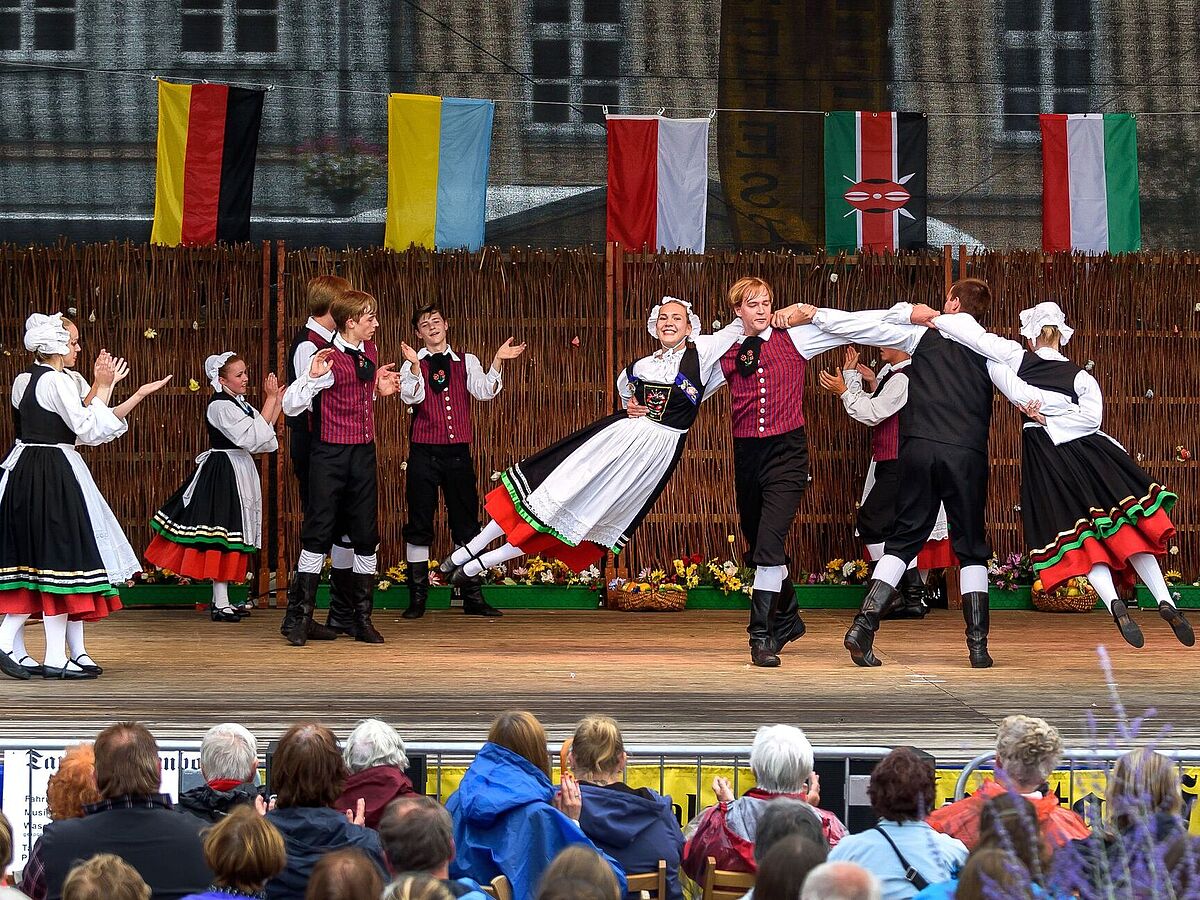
x,y
444,417
347,413
885,437
770,401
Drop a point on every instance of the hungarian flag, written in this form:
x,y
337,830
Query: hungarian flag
x,y
875,181
657,182
1090,183
207,142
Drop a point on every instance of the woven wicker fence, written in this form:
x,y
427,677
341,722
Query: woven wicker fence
x,y
584,316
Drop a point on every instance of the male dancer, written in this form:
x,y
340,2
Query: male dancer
x,y
340,386
316,334
942,455
438,383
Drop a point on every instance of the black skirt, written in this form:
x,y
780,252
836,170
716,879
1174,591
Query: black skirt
x,y
213,518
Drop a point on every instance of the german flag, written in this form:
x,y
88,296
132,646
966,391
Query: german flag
x,y
207,142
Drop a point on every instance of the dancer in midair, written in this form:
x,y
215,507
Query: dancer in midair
x,y
62,551
1087,508
212,525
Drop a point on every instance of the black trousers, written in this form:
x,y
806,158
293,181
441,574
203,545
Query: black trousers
x,y
770,476
450,469
299,447
930,473
877,516
342,498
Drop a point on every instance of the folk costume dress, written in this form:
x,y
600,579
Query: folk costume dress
x,y
212,525
584,495
62,551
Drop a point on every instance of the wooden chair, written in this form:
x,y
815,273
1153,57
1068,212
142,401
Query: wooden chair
x,y
720,884
499,888
653,883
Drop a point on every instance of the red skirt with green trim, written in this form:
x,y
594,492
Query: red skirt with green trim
x,y
195,561
520,533
82,607
1086,503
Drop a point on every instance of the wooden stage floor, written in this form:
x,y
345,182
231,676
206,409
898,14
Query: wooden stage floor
x,y
668,678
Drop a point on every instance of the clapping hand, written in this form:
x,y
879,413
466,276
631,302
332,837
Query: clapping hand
x,y
568,800
812,790
723,789
151,387
387,380
410,357
833,382
272,387
509,350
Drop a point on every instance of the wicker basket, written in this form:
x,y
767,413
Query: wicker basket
x,y
1060,600
646,601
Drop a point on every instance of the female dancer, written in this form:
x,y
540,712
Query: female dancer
x,y
1087,508
583,496
61,548
211,525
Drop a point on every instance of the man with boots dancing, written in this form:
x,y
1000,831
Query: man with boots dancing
x,y
341,385
437,384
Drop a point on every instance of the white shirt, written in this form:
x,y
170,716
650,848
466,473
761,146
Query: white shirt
x,y
252,433
306,350
480,385
300,393
663,365
872,409
58,392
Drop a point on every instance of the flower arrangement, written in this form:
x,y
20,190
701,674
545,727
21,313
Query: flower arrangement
x,y
1015,570
1076,595
341,170
840,571
161,576
536,570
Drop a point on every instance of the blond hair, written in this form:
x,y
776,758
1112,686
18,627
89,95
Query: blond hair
x,y
1028,750
744,287
416,886
322,291
351,305
521,732
244,850
1050,336
1142,784
597,746
105,877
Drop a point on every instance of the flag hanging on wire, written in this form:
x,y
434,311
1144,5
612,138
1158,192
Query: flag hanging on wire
x,y
438,154
875,181
204,181
657,182
1090,183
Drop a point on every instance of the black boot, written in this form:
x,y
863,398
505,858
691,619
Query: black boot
x,y
975,614
418,590
786,626
341,609
762,644
363,598
473,602
860,637
910,602
1179,624
1128,628
298,625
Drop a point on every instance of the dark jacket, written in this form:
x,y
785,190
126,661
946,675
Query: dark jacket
x,y
378,786
1126,864
211,805
147,833
636,828
308,834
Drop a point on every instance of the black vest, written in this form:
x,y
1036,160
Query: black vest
x,y
675,404
306,421
1057,375
949,394
36,425
217,439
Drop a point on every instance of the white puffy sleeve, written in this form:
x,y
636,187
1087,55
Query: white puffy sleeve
x,y
876,328
711,347
18,388
1084,419
480,384
93,425
963,329
1020,392
300,393
412,384
251,433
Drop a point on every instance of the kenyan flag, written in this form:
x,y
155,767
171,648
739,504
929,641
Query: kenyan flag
x,y
875,181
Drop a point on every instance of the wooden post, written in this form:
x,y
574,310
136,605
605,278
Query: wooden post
x,y
261,568
280,327
962,261
947,268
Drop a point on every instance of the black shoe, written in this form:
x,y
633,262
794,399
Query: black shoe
x,y
12,668
1179,624
860,637
459,578
245,608
977,618
418,590
448,567
363,599
87,667
65,674
762,655
37,669
1129,629
223,613
340,619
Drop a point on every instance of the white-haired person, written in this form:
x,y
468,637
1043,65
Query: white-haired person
x,y
62,551
1087,508
229,766
1027,751
585,495
841,881
781,759
211,526
377,762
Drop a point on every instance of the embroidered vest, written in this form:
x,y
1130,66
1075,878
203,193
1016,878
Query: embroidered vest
x,y
444,417
347,407
675,404
769,401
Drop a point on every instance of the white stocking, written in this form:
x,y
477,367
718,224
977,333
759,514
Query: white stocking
x,y
341,556
10,629
220,596
492,558
889,569
56,642
875,551
1148,570
76,649
18,642
1100,577
478,544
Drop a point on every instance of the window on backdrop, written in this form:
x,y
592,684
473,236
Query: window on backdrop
x,y
40,26
575,59
1045,61
230,27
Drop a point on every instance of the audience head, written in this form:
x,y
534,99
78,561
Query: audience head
x,y
416,886
104,877
1009,821
903,786
374,743
523,734
228,752
579,872
73,785
126,761
783,868
784,817
6,846
781,759
1142,784
307,769
1027,749
322,291
1182,862
346,874
598,750
841,881
244,850
990,872
417,835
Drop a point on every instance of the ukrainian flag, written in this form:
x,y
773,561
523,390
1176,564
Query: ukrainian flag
x,y
438,151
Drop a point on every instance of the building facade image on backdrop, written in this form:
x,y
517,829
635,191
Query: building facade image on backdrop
x,y
78,142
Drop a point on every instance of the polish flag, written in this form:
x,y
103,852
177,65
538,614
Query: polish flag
x,y
657,182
